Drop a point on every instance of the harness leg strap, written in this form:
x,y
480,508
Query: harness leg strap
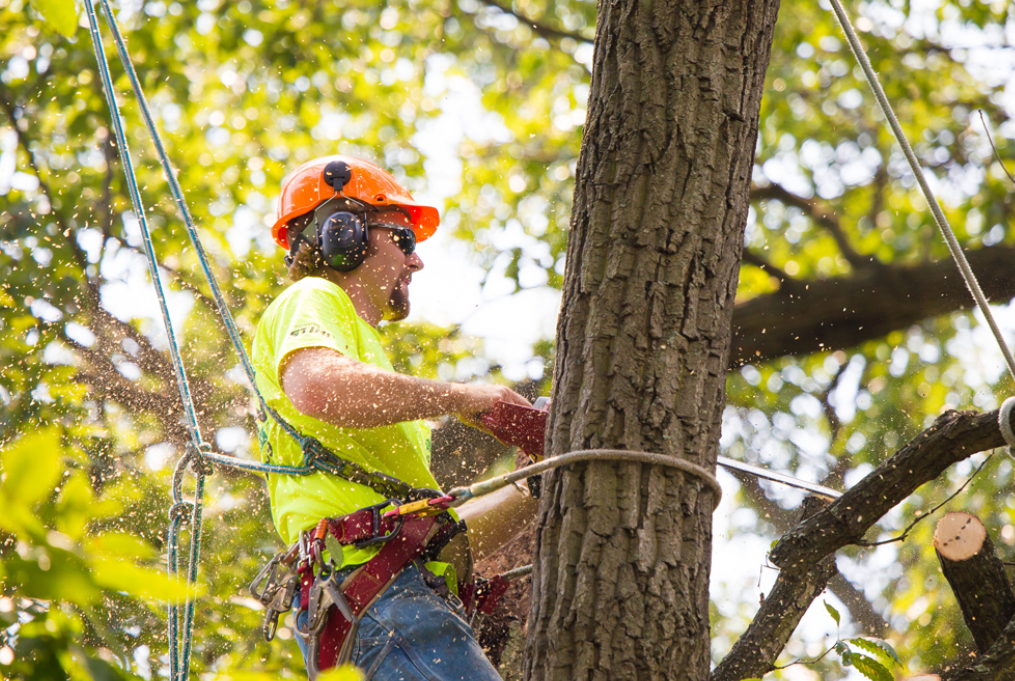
x,y
364,586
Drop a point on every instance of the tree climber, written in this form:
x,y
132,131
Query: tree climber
x,y
350,230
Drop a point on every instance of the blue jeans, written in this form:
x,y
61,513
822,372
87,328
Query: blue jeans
x,y
412,634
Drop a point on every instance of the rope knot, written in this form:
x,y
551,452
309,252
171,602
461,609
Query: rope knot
x,y
198,462
180,510
314,452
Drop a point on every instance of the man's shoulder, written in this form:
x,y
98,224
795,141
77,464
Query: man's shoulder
x,y
312,288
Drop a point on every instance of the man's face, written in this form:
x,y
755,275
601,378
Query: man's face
x,y
387,271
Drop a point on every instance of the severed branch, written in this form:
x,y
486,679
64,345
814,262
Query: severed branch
x,y
976,575
953,437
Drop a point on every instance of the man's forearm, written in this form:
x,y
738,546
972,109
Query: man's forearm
x,y
326,385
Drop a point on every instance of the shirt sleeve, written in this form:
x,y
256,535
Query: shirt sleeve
x,y
316,315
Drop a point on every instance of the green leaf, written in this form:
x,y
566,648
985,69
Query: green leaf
x,y
32,467
833,612
62,15
343,673
871,668
335,549
882,649
146,583
75,506
848,657
118,545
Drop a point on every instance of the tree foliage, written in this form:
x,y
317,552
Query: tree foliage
x,y
244,91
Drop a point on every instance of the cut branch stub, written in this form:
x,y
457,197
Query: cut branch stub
x,y
976,575
959,536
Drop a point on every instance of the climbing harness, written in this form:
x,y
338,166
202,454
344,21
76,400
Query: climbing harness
x,y
334,600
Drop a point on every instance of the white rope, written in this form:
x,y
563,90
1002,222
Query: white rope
x,y
1004,423
953,245
463,494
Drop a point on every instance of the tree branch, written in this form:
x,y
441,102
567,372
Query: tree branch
x,y
8,106
998,664
821,215
752,258
860,609
803,550
754,653
538,27
830,314
953,437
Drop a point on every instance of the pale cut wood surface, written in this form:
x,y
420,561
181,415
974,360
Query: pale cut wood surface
x,y
959,536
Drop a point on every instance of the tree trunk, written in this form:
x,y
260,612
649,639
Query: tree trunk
x,y
620,588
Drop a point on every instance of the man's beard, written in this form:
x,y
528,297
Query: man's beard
x,y
398,303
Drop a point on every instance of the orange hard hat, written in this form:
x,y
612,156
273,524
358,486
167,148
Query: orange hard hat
x,y
306,188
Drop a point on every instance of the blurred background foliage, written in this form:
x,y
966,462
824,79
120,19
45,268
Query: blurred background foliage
x,y
244,91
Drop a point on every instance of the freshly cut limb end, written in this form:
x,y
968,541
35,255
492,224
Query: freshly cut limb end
x,y
959,536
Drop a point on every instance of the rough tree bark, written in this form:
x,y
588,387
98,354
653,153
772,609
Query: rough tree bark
x,y
620,588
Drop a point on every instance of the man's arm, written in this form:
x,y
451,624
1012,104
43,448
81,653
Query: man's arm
x,y
329,386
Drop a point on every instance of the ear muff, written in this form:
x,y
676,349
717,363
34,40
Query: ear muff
x,y
343,240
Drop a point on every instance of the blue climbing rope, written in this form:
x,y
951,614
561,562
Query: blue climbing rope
x,y
179,669
188,220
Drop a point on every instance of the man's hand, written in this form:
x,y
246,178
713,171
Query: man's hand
x,y
478,398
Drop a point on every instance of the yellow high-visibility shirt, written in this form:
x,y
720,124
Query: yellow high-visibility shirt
x,y
317,313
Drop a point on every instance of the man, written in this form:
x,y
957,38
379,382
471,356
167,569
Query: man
x,y
350,230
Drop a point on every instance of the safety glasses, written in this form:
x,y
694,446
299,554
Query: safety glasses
x,y
403,237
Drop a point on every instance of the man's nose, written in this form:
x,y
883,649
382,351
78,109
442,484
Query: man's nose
x,y
415,263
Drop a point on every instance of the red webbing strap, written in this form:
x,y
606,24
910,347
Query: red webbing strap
x,y
348,529
358,526
306,573
365,585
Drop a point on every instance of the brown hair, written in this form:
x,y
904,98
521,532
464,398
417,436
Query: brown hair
x,y
307,261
